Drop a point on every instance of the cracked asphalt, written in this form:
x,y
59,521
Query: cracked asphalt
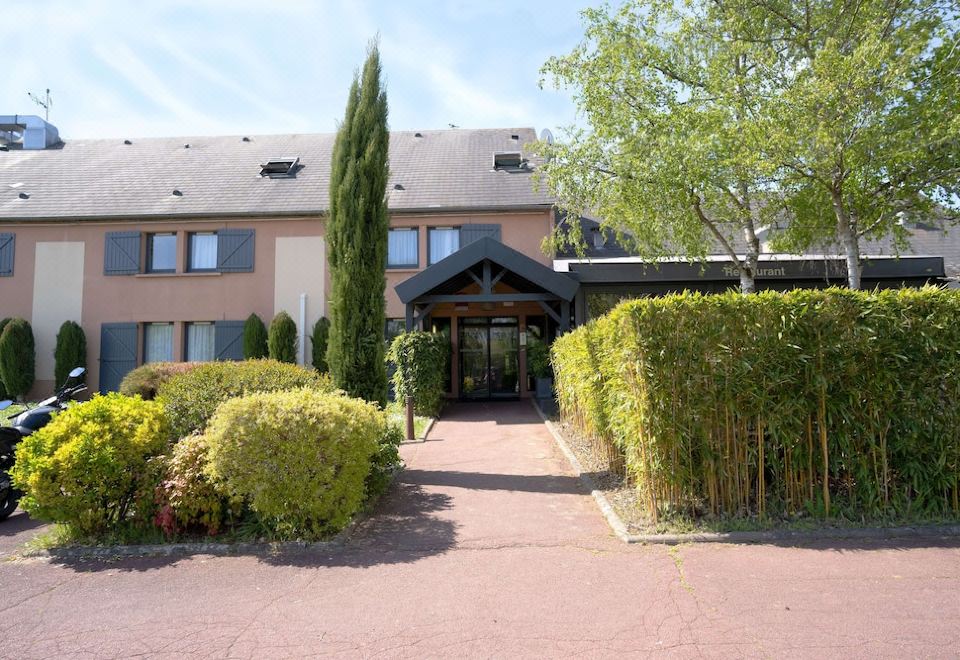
x,y
488,547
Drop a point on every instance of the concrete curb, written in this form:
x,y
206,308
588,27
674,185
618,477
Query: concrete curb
x,y
426,431
764,536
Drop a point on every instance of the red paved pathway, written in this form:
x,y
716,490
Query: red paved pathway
x,y
488,548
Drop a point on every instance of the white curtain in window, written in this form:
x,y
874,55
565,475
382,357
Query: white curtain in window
x,y
158,342
203,251
402,248
443,243
200,342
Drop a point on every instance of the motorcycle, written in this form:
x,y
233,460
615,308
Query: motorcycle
x,y
24,424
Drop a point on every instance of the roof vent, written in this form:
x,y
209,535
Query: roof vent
x,y
398,186
186,146
508,160
244,139
127,142
280,168
176,193
24,195
4,147
418,134
515,137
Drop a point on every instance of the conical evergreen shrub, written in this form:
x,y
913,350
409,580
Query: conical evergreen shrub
x,y
17,357
71,351
319,339
282,339
254,338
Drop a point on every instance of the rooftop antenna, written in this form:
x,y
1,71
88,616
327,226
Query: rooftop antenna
x,y
44,103
453,126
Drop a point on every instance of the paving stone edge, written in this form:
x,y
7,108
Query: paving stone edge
x,y
766,536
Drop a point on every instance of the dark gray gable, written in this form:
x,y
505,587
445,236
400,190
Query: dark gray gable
x,y
471,233
235,250
6,254
118,353
121,253
422,283
228,340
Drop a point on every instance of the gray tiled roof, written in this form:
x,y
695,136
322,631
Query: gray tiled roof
x,y
88,179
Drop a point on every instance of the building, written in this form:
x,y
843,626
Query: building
x,y
161,248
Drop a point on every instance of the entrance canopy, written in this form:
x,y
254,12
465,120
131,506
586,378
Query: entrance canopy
x,y
487,271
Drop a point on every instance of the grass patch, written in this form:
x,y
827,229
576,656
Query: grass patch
x,y
15,409
398,414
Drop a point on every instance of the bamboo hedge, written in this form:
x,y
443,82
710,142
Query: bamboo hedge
x,y
811,402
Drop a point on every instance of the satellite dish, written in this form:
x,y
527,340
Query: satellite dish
x,y
546,136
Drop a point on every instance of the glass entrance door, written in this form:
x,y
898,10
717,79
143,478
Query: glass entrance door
x,y
489,358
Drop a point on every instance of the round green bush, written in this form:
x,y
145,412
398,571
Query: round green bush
x,y
17,357
70,351
147,379
254,338
299,458
319,340
282,338
421,360
191,398
92,467
188,499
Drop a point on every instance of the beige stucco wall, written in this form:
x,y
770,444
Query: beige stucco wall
x,y
57,297
300,267
285,264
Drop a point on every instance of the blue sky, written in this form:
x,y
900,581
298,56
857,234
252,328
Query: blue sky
x,y
119,68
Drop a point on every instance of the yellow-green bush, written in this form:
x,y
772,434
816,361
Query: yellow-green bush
x,y
808,402
192,397
188,499
298,458
92,467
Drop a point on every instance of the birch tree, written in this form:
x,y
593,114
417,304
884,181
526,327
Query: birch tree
x,y
671,157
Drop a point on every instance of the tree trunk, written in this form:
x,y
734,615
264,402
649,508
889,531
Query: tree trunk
x,y
748,269
847,234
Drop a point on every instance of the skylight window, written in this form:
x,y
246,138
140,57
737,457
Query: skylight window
x,y
508,160
280,167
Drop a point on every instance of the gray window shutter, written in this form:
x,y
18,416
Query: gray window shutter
x,y
118,353
235,250
228,340
6,255
121,253
471,233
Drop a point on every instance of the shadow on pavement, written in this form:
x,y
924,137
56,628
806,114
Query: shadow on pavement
x,y
402,528
528,483
19,523
851,545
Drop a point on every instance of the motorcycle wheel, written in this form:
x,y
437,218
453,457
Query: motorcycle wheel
x,y
8,502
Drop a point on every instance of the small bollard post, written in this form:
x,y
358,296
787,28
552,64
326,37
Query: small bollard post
x,y
410,431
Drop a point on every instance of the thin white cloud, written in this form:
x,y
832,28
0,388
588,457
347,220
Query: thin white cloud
x,y
141,77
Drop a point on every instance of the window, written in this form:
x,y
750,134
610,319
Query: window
x,y
444,241
158,342
203,251
402,248
508,160
161,253
280,168
200,342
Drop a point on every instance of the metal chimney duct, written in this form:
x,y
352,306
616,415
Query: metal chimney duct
x,y
36,133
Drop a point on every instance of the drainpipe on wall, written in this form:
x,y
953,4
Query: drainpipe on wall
x,y
302,346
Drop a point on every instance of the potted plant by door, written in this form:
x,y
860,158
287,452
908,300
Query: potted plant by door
x,y
538,364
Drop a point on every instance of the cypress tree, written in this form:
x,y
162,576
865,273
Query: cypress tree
x,y
254,338
282,338
320,339
17,357
71,351
3,388
357,235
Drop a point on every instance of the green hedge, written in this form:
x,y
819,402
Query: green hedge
x,y
299,459
805,403
95,466
192,397
421,364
